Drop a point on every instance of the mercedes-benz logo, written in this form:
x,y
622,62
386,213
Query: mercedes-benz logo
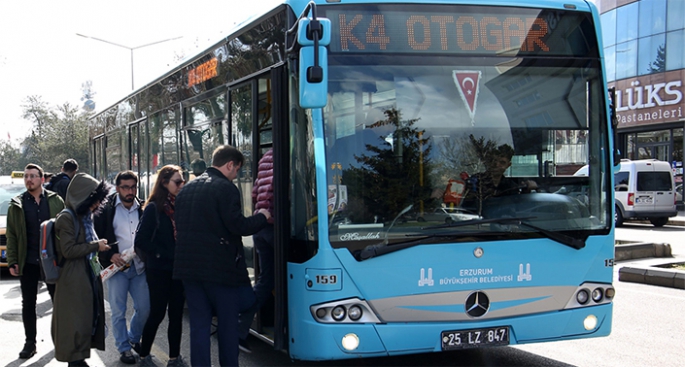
x,y
477,304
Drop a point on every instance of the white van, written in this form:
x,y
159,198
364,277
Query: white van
x,y
643,189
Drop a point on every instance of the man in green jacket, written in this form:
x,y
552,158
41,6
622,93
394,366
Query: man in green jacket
x,y
25,214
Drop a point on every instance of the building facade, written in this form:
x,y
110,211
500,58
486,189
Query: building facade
x,y
644,46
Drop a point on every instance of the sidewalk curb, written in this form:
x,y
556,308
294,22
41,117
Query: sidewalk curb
x,y
645,274
641,250
651,275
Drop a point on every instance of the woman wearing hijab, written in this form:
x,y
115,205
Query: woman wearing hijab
x,y
157,238
78,320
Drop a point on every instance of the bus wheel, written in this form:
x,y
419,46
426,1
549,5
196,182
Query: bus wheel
x,y
618,217
658,221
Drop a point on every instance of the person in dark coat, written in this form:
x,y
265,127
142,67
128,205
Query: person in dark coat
x,y
156,237
209,255
78,319
60,182
117,223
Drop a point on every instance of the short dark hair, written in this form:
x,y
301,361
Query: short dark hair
x,y
34,166
227,153
70,165
125,175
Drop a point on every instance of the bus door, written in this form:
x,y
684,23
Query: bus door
x,y
254,116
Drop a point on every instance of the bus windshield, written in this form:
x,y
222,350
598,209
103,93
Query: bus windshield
x,y
418,143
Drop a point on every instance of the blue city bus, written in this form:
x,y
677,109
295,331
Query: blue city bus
x,y
394,232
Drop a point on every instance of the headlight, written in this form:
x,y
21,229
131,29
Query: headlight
x,y
355,313
338,313
597,294
582,296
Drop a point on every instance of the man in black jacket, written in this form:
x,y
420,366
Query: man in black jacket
x,y
60,182
117,223
209,255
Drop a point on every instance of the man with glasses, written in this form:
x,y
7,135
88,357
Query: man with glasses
x,y
117,223
25,214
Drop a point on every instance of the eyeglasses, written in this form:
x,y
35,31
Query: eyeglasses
x,y
31,176
127,188
178,182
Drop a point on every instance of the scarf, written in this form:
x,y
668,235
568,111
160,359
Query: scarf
x,y
169,205
90,237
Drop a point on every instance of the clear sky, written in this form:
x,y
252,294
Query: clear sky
x,y
40,53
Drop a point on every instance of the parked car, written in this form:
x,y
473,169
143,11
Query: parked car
x,y
8,190
447,215
643,189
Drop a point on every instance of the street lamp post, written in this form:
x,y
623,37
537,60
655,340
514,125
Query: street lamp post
x,y
129,48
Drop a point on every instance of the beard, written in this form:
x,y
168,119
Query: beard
x,y
127,198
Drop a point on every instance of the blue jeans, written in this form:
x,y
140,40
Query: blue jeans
x,y
264,243
206,299
118,288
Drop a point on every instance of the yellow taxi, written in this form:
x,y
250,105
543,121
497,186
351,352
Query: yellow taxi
x,y
10,186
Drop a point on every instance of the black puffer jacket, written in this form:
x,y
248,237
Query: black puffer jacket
x,y
210,225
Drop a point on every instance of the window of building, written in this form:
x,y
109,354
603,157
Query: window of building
x,y
626,59
675,46
610,58
652,17
651,56
675,19
608,21
626,21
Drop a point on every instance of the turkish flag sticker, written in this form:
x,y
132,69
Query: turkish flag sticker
x,y
467,83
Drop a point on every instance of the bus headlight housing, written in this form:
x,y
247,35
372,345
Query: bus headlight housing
x,y
591,294
351,310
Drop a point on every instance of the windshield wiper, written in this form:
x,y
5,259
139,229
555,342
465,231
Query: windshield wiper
x,y
384,248
567,240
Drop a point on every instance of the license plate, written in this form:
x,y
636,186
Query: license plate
x,y
644,200
474,338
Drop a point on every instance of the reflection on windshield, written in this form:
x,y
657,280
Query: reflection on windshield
x,y
7,192
458,144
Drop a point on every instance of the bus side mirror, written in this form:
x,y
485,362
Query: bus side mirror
x,y
614,126
313,36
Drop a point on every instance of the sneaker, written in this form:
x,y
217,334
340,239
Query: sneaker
x,y
146,362
127,357
28,351
178,362
243,346
136,347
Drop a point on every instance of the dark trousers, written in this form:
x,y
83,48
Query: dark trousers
x,y
29,294
206,299
264,243
166,294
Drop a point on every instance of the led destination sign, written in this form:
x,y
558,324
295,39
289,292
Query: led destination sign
x,y
513,31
